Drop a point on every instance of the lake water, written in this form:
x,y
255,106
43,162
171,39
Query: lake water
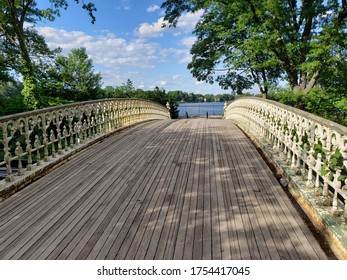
x,y
200,109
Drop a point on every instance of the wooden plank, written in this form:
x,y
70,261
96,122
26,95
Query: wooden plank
x,y
240,249
255,238
185,189
222,241
303,236
207,173
182,161
159,186
115,223
62,206
247,162
183,248
190,246
71,227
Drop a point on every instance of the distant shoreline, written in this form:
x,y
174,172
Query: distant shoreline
x,y
194,109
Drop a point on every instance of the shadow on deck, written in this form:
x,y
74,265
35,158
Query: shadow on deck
x,y
185,189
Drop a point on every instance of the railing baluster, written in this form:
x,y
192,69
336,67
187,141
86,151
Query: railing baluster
x,y
37,146
54,132
302,143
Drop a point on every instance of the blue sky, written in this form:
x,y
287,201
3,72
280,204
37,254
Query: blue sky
x,y
127,42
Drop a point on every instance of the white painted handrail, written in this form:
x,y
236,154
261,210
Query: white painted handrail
x,y
313,149
41,136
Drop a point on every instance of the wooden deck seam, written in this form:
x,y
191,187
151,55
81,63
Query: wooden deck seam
x,y
184,189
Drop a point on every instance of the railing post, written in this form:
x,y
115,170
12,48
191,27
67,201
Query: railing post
x,y
19,154
326,200
28,150
37,146
318,170
336,185
52,140
7,158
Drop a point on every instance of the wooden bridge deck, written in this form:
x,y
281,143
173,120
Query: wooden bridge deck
x,y
184,189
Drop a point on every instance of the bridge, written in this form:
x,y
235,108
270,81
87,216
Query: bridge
x,y
118,179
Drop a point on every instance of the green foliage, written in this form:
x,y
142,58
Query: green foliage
x,y
14,98
5,76
333,165
29,93
22,50
174,112
11,100
323,103
288,97
127,90
49,101
263,41
341,106
326,103
73,77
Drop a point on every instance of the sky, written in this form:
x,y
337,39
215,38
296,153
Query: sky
x,y
127,42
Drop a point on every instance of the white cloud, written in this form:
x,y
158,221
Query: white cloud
x,y
153,8
124,5
187,22
185,25
107,49
119,59
178,77
162,83
153,30
182,56
188,41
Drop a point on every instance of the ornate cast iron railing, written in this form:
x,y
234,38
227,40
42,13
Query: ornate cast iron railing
x,y
29,140
311,149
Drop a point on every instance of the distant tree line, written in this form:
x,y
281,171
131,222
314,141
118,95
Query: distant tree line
x,y
33,76
72,79
239,44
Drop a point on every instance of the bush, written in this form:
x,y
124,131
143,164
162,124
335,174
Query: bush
x,y
325,103
12,105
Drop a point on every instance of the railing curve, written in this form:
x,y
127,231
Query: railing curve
x,y
31,139
312,149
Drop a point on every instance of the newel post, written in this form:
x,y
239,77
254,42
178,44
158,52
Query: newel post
x,y
7,158
168,108
318,174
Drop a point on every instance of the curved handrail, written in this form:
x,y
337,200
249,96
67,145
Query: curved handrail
x,y
313,149
43,135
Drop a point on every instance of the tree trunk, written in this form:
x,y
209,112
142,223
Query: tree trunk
x,y
312,82
305,86
30,89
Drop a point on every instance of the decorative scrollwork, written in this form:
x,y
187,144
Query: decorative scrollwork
x,y
49,133
313,148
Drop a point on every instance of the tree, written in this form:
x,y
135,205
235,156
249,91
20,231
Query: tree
x,y
128,88
11,100
73,77
261,41
20,45
240,51
5,76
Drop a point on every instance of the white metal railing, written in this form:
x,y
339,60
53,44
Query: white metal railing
x,y
313,148
30,139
